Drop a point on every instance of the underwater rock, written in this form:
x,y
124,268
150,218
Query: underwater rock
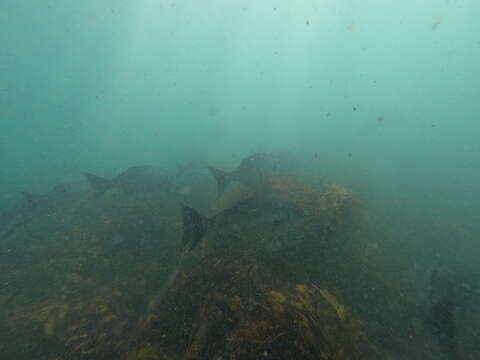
x,y
233,292
227,308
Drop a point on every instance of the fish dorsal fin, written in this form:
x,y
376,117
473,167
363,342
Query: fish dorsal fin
x,y
32,199
221,178
194,227
98,184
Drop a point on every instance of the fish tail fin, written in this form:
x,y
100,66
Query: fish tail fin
x,y
221,178
98,184
194,227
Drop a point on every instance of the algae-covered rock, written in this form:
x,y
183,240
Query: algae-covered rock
x,y
245,292
226,308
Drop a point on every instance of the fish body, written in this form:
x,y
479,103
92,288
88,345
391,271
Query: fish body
x,y
10,222
195,187
135,179
441,320
268,221
33,205
451,287
254,170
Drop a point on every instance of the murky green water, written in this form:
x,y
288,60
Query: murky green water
x,y
380,97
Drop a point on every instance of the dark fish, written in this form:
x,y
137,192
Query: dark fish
x,y
194,227
64,195
221,177
265,220
135,179
450,287
33,199
9,226
452,281
254,170
195,187
441,321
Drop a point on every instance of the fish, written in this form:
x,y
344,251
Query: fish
x,y
451,286
33,199
143,178
442,322
267,220
194,186
33,205
254,170
10,223
194,227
